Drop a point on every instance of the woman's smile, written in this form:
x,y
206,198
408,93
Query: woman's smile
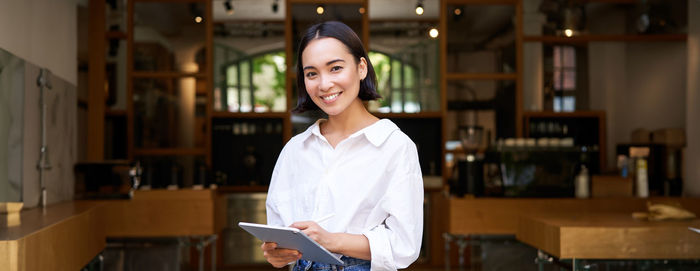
x,y
330,98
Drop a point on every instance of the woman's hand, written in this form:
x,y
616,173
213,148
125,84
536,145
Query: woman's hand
x,y
318,234
279,257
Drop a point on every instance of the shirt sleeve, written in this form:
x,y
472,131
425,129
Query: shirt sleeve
x,y
274,216
396,243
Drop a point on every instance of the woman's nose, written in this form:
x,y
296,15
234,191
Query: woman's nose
x,y
326,83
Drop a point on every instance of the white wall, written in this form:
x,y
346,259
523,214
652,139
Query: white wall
x,y
691,178
43,32
606,62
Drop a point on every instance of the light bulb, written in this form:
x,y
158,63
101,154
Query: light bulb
x,y
419,9
320,9
568,32
198,19
433,32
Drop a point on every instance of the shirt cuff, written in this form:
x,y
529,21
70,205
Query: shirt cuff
x,y
380,249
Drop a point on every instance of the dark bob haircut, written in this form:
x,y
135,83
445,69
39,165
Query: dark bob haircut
x,y
343,33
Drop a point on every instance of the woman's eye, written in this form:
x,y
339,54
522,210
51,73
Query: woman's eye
x,y
336,68
310,74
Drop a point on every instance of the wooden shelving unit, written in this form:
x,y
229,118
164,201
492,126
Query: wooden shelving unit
x,y
582,39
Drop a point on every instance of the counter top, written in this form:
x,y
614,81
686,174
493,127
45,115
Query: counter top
x,y
501,215
609,236
64,236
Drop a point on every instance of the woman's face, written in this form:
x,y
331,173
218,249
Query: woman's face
x,y
331,75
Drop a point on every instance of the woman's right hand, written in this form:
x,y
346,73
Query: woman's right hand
x,y
279,257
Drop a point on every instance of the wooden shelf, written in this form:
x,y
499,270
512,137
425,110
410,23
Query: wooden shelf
x,y
115,35
418,115
482,2
575,114
249,115
169,151
115,113
242,189
163,74
607,38
481,76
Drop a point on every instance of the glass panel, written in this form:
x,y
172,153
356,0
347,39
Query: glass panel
x,y
173,171
246,150
305,15
481,39
115,15
165,113
638,17
244,47
486,103
569,79
169,37
115,74
404,55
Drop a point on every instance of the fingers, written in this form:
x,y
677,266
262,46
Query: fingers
x,y
302,225
279,257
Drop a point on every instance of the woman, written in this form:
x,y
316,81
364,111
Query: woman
x,y
361,171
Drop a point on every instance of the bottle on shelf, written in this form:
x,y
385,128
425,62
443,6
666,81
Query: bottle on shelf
x,y
581,185
642,181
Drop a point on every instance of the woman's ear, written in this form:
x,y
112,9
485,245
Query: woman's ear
x,y
362,68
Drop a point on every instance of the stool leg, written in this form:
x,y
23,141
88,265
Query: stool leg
x,y
200,249
213,253
462,244
447,238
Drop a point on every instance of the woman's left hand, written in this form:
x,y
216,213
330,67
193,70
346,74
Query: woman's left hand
x,y
318,234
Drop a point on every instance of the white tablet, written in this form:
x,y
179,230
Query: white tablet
x,y
292,238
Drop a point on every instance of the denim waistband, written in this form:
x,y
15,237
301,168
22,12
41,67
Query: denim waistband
x,y
350,264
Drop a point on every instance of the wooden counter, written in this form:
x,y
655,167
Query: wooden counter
x,y
501,215
166,213
64,236
610,236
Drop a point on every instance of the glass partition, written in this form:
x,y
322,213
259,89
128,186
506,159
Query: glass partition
x,y
481,39
169,37
249,67
168,113
405,59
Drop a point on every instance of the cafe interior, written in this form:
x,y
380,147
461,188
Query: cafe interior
x,y
551,134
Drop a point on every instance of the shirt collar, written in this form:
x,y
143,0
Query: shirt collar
x,y
376,133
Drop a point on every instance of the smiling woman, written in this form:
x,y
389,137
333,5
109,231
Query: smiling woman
x,y
371,228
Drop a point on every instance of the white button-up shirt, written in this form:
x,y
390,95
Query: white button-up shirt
x,y
371,183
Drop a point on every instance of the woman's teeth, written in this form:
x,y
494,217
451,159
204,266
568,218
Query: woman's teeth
x,y
330,97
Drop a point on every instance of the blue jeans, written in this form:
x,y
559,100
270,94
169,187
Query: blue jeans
x,y
351,264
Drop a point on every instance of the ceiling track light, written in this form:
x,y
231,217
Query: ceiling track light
x,y
229,7
419,7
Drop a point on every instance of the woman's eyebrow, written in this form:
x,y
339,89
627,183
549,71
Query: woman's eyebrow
x,y
334,61
327,63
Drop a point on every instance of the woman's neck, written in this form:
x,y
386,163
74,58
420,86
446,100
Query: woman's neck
x,y
354,118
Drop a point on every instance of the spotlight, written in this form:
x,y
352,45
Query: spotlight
x,y
275,6
458,11
320,9
229,7
198,19
433,32
568,32
361,10
419,8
